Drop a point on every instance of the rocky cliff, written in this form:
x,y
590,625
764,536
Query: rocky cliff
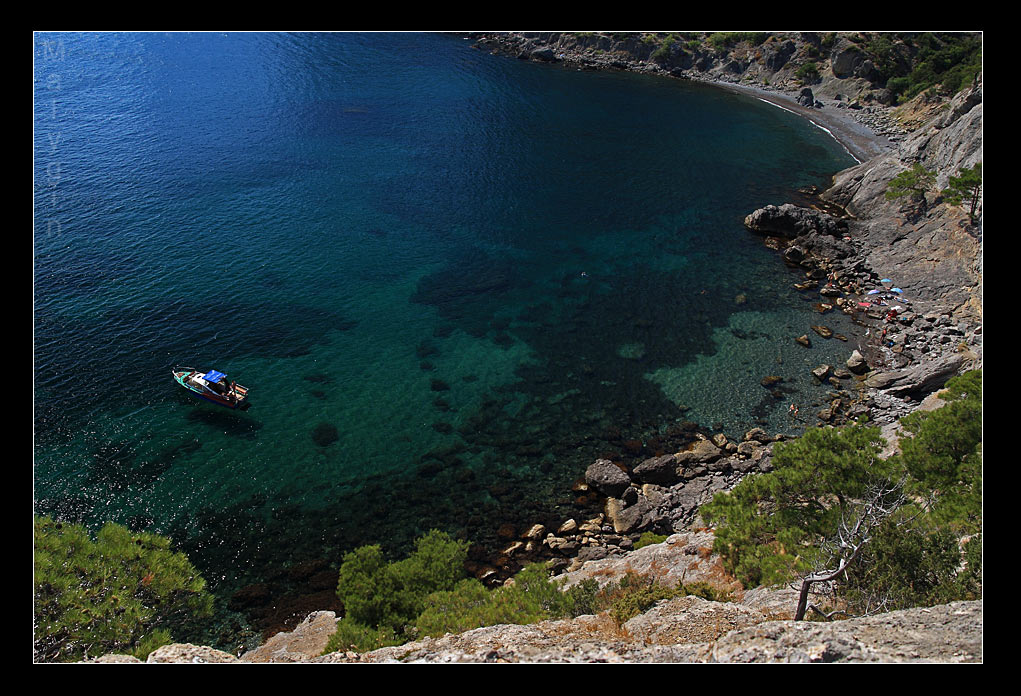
x,y
755,628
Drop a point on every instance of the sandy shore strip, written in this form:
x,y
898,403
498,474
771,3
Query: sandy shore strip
x,y
857,138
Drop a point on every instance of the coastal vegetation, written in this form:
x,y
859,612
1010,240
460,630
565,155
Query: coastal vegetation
x,y
965,188
912,182
944,62
720,40
116,593
808,73
429,594
818,508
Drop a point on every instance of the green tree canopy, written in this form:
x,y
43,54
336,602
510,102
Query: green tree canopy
x,y
117,593
378,593
966,187
774,527
769,525
912,182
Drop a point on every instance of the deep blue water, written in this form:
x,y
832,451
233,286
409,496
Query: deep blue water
x,y
449,279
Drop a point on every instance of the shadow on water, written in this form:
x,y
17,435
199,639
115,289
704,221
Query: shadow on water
x,y
222,420
116,465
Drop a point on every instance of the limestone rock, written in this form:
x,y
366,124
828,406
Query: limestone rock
x,y
856,363
607,478
307,640
658,470
186,653
919,380
789,220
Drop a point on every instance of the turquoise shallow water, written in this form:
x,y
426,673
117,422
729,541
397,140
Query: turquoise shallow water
x,y
449,279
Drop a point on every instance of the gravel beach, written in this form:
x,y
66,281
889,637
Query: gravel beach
x,y
836,118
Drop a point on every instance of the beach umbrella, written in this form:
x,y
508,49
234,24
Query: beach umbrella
x,y
884,281
873,292
896,290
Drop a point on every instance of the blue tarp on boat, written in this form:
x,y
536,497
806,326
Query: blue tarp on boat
x,y
214,376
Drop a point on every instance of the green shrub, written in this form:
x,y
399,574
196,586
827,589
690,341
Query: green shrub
x,y
635,594
771,527
390,595
118,593
377,591
724,39
965,187
532,596
649,538
808,73
912,182
768,524
943,62
662,53
353,636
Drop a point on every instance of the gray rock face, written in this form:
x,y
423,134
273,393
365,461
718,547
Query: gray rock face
x,y
662,470
921,379
931,250
307,640
845,59
857,364
683,630
607,478
693,630
789,220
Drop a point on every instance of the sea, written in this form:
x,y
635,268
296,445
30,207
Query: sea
x,y
450,280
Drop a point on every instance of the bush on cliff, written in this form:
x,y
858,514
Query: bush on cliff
x,y
772,528
388,596
118,593
531,596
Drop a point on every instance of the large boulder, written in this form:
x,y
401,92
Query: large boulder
x,y
661,470
846,58
789,220
607,478
919,380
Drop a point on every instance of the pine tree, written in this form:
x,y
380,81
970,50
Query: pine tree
x,y
914,182
967,186
118,593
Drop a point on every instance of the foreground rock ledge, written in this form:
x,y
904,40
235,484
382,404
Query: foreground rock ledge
x,y
683,630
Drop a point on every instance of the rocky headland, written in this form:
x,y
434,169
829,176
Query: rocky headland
x,y
908,271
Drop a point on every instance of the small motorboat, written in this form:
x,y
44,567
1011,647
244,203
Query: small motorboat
x,y
212,386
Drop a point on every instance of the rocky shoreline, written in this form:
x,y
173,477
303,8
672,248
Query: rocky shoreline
x,y
917,334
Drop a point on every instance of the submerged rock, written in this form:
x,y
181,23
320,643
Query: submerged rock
x,y
325,434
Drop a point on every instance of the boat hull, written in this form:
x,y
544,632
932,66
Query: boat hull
x,y
236,399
